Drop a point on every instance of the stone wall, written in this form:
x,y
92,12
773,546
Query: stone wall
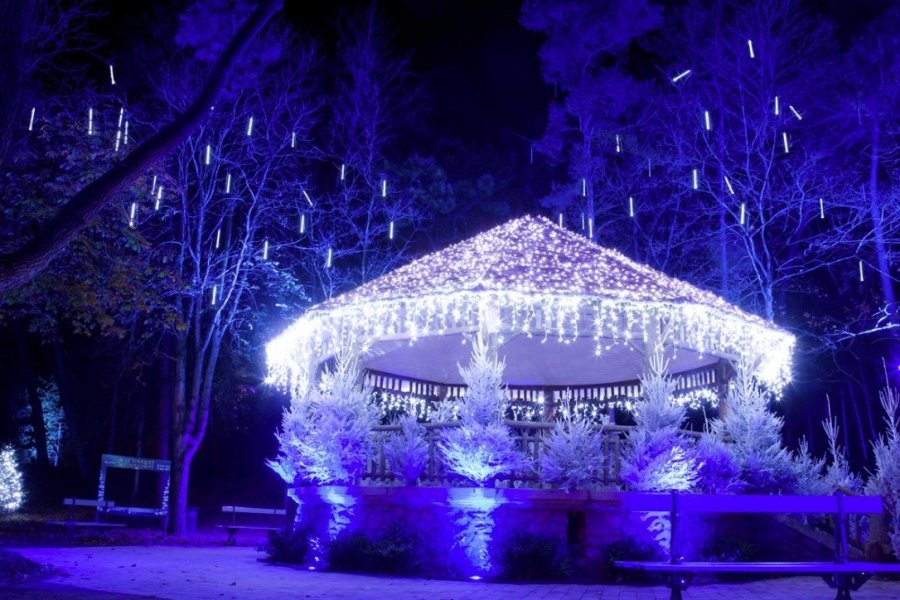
x,y
585,522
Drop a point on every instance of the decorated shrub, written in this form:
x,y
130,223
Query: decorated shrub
x,y
481,447
657,456
406,451
326,436
573,456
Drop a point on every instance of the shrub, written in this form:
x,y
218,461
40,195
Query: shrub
x,y
287,546
572,456
396,552
11,493
406,452
629,549
719,471
531,557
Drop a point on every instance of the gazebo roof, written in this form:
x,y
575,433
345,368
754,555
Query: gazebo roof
x,y
532,255
532,282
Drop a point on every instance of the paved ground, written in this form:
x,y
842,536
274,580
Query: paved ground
x,y
236,573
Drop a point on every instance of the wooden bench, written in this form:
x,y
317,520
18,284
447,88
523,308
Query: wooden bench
x,y
233,527
102,507
841,574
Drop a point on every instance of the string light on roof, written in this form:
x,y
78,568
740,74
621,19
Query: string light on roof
x,y
558,280
706,120
218,237
391,230
328,258
777,106
31,119
153,186
302,223
112,75
208,154
308,199
743,213
159,193
750,48
784,138
862,275
630,206
343,171
118,140
91,121
125,135
384,188
560,219
121,116
584,187
228,183
215,295
795,113
293,139
249,126
695,180
132,214
618,144
821,208
265,253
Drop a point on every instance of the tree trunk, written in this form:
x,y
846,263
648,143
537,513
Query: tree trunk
x,y
881,248
34,398
70,405
24,264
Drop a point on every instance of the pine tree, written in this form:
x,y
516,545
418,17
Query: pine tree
x,y
11,493
886,479
573,455
754,434
481,446
406,451
657,456
326,436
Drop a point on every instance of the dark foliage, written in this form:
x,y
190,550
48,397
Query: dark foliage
x,y
287,546
532,557
628,549
396,552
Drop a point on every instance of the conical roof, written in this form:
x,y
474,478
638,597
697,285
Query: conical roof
x,y
531,255
532,282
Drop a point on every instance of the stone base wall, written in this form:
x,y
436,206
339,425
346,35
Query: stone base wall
x,y
585,523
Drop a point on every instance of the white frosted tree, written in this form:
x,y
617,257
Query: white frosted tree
x,y
11,492
656,456
886,478
406,451
481,447
573,455
326,436
754,434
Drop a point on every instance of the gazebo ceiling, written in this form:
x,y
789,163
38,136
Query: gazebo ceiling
x,y
566,312
528,361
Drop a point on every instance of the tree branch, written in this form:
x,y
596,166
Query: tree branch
x,y
21,266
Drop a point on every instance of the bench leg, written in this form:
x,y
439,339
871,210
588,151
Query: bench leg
x,y
231,541
844,583
678,582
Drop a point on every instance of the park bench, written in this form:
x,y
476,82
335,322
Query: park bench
x,y
841,574
275,516
101,506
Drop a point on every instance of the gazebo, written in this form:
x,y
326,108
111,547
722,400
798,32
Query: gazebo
x,y
566,315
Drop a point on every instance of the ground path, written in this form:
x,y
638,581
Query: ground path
x,y
180,573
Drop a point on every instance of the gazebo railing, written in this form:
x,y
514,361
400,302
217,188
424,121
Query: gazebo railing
x,y
529,438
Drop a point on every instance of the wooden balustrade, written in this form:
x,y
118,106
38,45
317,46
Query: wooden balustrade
x,y
529,438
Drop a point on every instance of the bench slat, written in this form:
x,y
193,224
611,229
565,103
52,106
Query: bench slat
x,y
253,510
752,503
88,502
815,568
84,524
